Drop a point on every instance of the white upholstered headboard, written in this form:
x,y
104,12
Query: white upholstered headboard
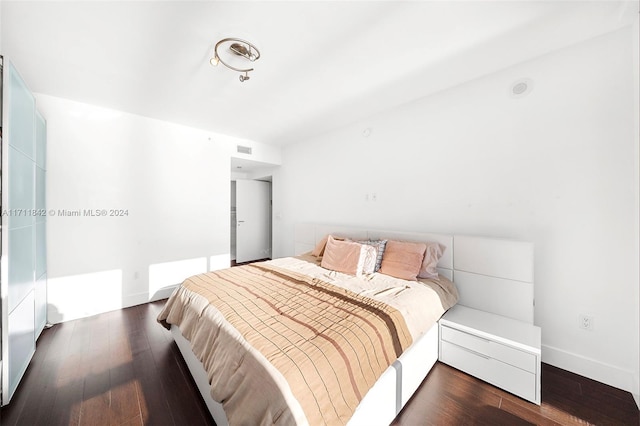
x,y
493,275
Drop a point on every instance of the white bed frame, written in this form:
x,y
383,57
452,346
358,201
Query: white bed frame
x,y
493,275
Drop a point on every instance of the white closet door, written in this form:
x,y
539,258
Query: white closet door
x,y
253,214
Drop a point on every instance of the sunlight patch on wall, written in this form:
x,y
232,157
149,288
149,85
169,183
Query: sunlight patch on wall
x,y
79,296
169,274
93,113
219,261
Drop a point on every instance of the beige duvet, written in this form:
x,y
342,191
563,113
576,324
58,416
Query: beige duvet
x,y
287,342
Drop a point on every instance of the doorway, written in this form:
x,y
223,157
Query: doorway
x,y
251,230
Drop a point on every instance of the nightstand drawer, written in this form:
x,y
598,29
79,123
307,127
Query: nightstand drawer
x,y
505,376
512,356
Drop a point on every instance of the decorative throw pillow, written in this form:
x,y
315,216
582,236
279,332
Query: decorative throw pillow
x,y
403,259
431,257
379,246
348,257
367,261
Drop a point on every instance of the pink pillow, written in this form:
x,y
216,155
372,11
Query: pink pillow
x,y
348,257
403,259
318,250
431,257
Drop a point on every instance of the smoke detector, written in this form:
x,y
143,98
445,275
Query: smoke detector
x,y
521,88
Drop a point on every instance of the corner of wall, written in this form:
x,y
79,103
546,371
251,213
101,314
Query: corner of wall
x,y
1,27
635,34
591,368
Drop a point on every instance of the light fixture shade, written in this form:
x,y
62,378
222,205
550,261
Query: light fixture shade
x,y
237,48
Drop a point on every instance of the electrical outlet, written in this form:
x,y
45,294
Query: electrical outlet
x,y
585,322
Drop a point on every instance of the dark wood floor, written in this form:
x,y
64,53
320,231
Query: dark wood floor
x,y
122,368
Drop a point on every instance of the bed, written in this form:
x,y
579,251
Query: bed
x,y
269,363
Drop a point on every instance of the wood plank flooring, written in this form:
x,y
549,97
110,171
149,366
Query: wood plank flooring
x,y
122,368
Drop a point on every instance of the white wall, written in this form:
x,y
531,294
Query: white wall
x,y
173,182
556,167
635,39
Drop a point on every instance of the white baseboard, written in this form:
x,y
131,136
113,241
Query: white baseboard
x,y
587,367
163,293
59,313
140,298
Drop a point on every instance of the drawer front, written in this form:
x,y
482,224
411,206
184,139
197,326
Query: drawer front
x,y
513,356
505,376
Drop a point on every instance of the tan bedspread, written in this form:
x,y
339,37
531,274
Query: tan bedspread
x,y
282,347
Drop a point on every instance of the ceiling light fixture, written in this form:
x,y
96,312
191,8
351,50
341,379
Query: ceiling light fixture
x,y
239,48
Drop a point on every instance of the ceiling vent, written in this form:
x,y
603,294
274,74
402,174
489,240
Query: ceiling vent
x,y
244,149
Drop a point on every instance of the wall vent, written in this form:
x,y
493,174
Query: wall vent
x,y
244,149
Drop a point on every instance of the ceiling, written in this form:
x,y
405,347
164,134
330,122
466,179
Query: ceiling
x,y
324,64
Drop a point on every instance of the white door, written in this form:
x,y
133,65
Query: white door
x,y
253,215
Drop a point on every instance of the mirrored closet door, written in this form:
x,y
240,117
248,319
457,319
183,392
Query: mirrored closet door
x,y
23,239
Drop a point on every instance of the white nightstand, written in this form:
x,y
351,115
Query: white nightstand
x,y
499,350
